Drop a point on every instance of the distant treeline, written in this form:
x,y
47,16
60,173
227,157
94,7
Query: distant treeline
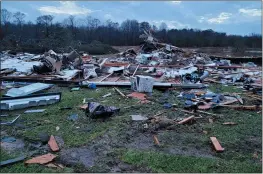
x,y
45,34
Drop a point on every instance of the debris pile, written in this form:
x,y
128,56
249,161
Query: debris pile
x,y
155,65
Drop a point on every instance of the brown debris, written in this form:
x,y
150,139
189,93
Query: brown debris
x,y
85,106
253,107
53,144
186,120
43,159
216,144
119,92
156,141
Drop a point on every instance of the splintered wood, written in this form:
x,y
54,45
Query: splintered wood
x,y
186,120
43,159
116,89
156,141
53,144
216,144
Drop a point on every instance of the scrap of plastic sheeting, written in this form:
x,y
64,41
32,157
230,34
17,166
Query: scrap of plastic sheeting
x,y
114,69
167,105
96,110
26,90
188,103
73,117
75,89
34,111
188,96
43,159
68,74
8,139
138,118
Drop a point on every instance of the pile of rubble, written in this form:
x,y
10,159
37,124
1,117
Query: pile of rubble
x,y
154,65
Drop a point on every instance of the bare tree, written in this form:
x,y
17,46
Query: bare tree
x,y
45,20
71,24
19,18
5,19
5,16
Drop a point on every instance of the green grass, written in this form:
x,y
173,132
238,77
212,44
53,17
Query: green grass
x,y
240,141
20,167
163,163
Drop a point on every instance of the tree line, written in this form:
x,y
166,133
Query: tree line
x,y
44,33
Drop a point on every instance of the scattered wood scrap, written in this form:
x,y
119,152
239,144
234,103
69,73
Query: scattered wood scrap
x,y
253,107
229,123
43,159
216,144
186,120
84,107
119,92
53,144
156,141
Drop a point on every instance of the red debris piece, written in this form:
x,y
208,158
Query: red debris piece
x,y
53,144
216,144
41,159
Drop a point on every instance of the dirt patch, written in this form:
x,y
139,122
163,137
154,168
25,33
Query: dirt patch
x,y
76,156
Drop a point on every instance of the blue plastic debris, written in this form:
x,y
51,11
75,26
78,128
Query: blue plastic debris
x,y
8,139
92,86
167,105
189,96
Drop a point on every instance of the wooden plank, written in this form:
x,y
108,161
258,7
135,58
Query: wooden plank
x,y
119,92
43,159
135,70
53,144
216,144
106,77
186,120
156,141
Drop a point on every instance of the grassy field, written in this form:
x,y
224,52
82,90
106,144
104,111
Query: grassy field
x,y
119,144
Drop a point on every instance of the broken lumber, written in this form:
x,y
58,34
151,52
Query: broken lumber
x,y
135,70
186,120
106,77
53,144
43,159
253,107
156,141
216,144
119,92
203,112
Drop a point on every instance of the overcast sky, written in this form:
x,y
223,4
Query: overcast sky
x,y
234,17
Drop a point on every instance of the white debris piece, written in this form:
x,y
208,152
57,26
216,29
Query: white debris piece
x,y
26,90
19,65
138,118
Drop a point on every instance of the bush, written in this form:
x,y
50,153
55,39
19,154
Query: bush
x,y
97,48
